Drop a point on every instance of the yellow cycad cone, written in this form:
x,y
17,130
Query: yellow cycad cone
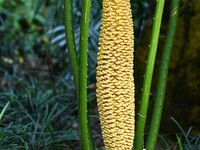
x,y
115,85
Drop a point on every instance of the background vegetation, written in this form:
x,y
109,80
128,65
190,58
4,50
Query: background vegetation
x,y
36,77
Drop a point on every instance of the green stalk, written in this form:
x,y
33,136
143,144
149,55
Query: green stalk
x,y
68,16
162,80
86,138
139,135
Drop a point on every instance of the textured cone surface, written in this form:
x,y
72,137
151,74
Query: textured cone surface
x,y
115,86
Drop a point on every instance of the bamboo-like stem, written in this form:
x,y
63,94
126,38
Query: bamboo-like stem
x,y
162,80
140,125
86,138
68,16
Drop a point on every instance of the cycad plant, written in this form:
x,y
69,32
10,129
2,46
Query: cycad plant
x,y
115,84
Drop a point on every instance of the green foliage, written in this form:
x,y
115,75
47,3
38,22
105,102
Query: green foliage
x,y
190,142
58,35
24,31
179,142
37,118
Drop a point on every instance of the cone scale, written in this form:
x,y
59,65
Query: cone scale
x,y
115,83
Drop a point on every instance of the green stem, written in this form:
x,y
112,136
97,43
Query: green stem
x,y
139,135
86,138
162,80
68,16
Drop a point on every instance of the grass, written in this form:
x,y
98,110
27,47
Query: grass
x,y
36,118
185,140
43,112
4,109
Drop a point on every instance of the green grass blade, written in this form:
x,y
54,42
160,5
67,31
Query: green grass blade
x,y
162,80
4,109
179,142
86,138
140,125
183,132
68,16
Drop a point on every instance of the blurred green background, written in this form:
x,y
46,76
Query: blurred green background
x,y
36,77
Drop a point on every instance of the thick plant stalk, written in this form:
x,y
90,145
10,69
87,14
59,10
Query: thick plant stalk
x,y
140,125
68,16
86,139
115,86
162,80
